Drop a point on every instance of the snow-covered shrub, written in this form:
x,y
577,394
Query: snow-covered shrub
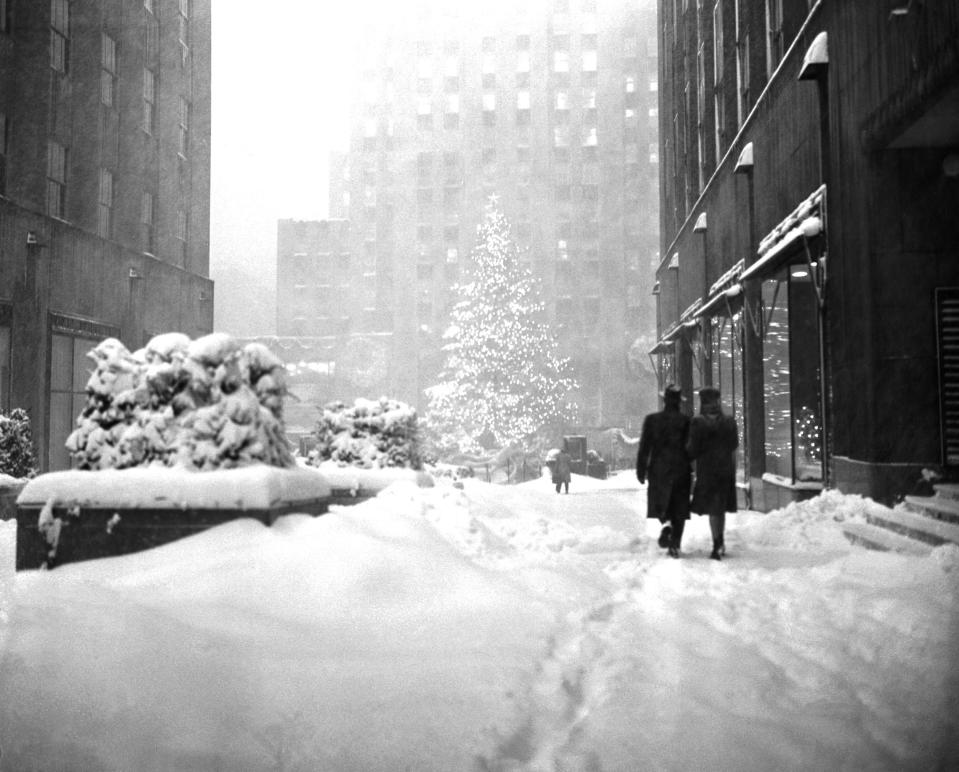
x,y
17,457
368,434
204,404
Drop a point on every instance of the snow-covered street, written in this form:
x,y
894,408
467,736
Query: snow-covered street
x,y
489,628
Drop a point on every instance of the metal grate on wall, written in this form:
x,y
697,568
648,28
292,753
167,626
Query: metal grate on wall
x,y
947,328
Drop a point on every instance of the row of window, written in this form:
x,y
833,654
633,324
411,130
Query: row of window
x,y
56,202
60,40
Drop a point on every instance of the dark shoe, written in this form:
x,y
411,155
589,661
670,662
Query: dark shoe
x,y
673,552
718,551
665,535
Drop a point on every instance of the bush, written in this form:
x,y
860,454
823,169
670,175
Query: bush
x,y
17,457
368,434
204,404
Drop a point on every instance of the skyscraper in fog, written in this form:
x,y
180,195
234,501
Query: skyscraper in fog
x,y
104,191
551,107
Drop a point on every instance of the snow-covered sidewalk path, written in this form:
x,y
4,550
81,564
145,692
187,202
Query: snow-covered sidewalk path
x,y
490,628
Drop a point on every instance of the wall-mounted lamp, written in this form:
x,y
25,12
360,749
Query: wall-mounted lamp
x,y
32,240
744,163
656,288
134,274
816,61
674,261
700,226
204,295
901,10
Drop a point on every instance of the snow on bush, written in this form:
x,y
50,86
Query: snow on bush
x,y
17,458
368,434
204,404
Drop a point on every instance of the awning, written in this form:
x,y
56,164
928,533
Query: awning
x,y
669,337
722,302
790,236
725,291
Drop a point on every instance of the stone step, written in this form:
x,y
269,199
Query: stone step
x,y
876,538
948,490
916,526
937,507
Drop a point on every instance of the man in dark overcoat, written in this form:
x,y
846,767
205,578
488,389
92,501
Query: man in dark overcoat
x,y
662,459
713,439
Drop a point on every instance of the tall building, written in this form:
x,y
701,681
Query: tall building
x,y
551,107
810,270
104,191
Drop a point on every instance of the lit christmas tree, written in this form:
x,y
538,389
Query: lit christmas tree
x,y
502,376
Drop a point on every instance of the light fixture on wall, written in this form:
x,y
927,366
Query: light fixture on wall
x,y
134,274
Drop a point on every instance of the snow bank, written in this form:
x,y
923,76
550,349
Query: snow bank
x,y
490,628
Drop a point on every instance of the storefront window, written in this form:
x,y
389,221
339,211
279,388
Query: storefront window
x,y
791,376
727,371
668,369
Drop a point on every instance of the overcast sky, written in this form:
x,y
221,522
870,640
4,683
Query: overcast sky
x,y
279,108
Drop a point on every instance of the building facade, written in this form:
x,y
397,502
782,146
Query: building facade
x,y
104,191
551,107
810,158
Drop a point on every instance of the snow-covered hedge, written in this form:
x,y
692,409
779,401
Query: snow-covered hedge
x,y
203,404
17,457
368,434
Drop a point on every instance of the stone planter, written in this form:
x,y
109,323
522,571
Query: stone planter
x,y
115,512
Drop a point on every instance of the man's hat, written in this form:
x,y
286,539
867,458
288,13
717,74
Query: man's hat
x,y
672,391
709,394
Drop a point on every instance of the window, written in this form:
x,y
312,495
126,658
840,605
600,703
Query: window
x,y
424,167
589,61
105,198
629,46
561,100
742,65
560,61
588,42
489,63
149,100
183,21
522,100
4,362
424,233
183,233
4,133
69,373
560,136
653,153
589,136
522,61
108,69
562,249
774,34
791,375
630,84
451,234
60,35
522,42
452,67
489,101
489,80
56,180
147,213
452,104
589,98
184,128
452,254
451,84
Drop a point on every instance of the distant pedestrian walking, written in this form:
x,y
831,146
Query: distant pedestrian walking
x,y
713,439
562,469
662,458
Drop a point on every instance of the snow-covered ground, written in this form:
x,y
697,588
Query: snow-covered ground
x,y
488,628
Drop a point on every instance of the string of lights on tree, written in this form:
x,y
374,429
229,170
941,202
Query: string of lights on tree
x,y
502,374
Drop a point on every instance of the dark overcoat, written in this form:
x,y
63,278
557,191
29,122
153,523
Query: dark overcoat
x,y
562,469
713,439
663,463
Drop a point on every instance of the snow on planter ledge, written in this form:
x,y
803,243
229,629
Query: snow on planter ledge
x,y
79,515
350,483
